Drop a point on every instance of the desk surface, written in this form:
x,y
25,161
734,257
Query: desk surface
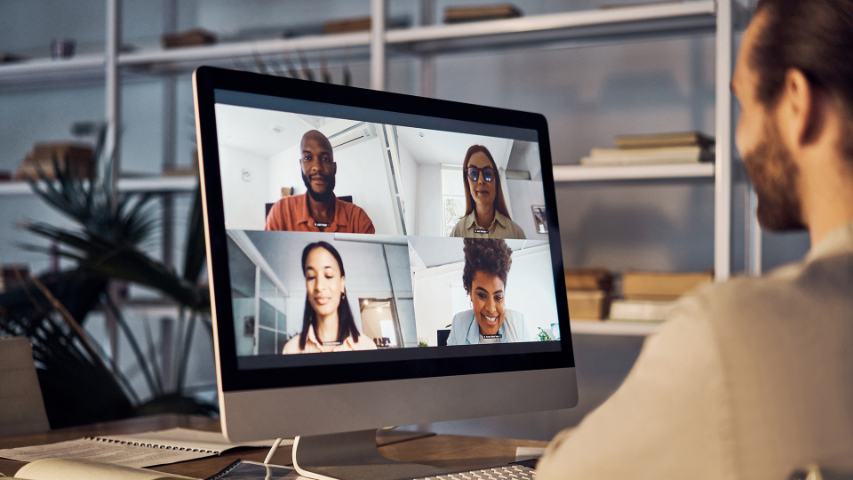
x,y
450,450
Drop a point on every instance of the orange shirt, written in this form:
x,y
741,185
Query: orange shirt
x,y
291,214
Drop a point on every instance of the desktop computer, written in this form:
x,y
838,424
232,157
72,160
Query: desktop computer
x,y
376,259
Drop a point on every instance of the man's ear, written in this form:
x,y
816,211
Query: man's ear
x,y
800,109
334,168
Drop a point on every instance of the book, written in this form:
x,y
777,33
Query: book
x,y
77,158
67,469
458,14
347,25
6,57
181,171
587,304
188,38
640,310
646,156
666,139
137,450
588,279
661,286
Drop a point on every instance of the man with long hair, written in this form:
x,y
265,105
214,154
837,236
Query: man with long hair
x,y
753,378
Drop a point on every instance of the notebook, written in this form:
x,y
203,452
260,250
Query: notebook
x,y
138,450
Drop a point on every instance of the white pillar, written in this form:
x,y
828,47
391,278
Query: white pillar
x,y
378,61
723,165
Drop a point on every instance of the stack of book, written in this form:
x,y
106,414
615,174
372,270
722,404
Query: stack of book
x,y
78,159
458,14
361,24
188,38
649,296
653,149
588,292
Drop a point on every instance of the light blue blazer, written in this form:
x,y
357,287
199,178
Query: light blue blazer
x,y
465,331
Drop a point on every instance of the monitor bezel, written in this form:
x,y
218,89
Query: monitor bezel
x,y
206,80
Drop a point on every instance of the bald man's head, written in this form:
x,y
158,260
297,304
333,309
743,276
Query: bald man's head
x,y
318,165
318,137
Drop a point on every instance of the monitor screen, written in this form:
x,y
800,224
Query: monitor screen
x,y
358,235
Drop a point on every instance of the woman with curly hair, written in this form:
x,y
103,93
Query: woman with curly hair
x,y
327,324
487,263
486,215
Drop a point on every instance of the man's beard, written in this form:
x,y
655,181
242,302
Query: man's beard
x,y
774,174
321,197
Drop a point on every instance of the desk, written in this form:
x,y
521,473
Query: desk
x,y
449,450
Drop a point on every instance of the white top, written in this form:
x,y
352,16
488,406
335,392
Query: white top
x,y
313,345
747,379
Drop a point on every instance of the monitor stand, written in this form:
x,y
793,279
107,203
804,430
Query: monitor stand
x,y
353,456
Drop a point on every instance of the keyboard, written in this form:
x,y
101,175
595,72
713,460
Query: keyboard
x,y
505,472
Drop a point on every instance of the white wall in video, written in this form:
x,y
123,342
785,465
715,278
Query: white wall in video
x,y
483,291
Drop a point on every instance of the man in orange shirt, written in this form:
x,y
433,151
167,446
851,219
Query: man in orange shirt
x,y
318,210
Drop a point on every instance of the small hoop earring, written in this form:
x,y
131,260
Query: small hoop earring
x,y
343,295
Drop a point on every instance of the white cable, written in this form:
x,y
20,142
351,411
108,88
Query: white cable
x,y
272,451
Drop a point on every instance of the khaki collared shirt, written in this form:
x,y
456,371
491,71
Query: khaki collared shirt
x,y
501,227
291,214
748,379
313,345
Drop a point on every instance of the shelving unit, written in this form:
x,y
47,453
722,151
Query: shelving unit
x,y
144,184
613,23
590,27
607,327
579,173
48,72
188,58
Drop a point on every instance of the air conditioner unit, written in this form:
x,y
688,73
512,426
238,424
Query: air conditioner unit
x,y
352,136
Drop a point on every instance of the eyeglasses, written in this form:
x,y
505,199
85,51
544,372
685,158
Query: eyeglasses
x,y
488,174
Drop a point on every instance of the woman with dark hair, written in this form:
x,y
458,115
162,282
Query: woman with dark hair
x,y
487,263
327,324
486,215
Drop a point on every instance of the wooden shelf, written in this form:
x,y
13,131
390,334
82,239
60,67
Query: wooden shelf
x,y
142,184
607,327
158,184
191,57
50,71
581,173
596,24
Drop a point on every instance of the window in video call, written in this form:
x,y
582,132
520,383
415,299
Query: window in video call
x,y
379,235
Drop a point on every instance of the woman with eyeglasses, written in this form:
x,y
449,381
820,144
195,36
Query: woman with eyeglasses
x,y
486,215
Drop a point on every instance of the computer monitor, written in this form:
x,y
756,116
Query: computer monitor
x,y
408,270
